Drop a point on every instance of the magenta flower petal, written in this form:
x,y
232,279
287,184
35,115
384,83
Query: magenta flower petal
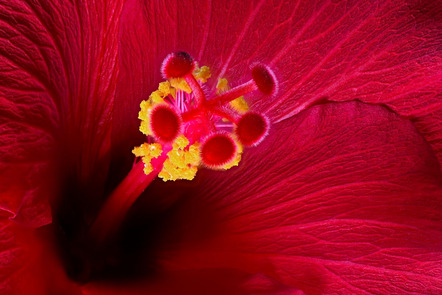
x,y
59,77
382,52
343,197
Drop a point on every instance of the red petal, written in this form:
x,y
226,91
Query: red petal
x,y
208,281
343,198
29,264
58,67
28,115
9,250
377,51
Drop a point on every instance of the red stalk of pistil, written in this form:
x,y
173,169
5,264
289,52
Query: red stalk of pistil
x,y
122,198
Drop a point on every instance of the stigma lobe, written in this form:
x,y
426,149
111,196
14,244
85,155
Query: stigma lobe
x,y
264,79
177,65
252,128
218,150
165,123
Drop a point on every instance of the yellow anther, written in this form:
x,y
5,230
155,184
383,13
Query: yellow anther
x,y
143,114
233,163
164,88
222,86
155,150
164,174
182,161
147,152
237,158
140,151
181,142
239,104
202,73
148,168
155,98
193,155
145,128
180,83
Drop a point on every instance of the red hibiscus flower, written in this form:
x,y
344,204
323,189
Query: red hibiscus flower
x,y
342,197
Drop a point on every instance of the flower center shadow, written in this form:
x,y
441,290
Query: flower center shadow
x,y
163,218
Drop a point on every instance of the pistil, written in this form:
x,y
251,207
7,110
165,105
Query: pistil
x,y
186,131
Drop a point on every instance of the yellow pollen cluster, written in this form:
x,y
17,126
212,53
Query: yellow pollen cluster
x,y
182,161
143,115
202,73
237,159
239,104
147,152
181,84
222,86
164,89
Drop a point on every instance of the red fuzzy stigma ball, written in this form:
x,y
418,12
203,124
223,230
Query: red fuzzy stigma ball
x,y
218,150
265,79
177,65
165,123
252,128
